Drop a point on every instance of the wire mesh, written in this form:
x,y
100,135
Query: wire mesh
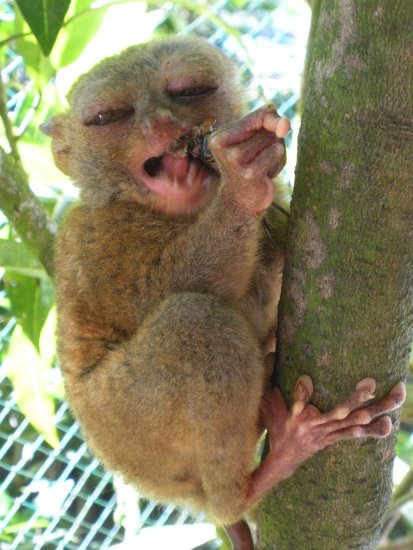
x,y
59,498
62,498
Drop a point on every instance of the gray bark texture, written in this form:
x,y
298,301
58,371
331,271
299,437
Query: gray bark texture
x,y
346,309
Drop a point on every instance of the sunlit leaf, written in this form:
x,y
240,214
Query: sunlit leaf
x,y
224,539
47,345
5,503
37,65
80,31
40,523
45,19
6,29
29,375
44,300
47,340
15,257
31,299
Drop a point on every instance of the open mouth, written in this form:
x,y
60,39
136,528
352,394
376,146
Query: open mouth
x,y
175,176
152,166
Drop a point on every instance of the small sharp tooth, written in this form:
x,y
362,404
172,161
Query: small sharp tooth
x,y
192,173
175,182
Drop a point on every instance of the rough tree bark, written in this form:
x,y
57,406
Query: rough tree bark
x,y
346,310
19,203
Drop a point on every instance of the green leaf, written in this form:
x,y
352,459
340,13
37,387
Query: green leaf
x,y
6,503
85,25
31,299
6,30
30,378
40,523
47,346
224,539
15,257
38,66
44,302
47,339
45,19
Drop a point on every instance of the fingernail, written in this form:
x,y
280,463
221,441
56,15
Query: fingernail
x,y
400,399
301,389
399,393
366,396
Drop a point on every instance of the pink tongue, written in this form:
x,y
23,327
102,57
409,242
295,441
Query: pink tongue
x,y
175,167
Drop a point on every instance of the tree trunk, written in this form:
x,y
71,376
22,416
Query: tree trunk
x,y
346,310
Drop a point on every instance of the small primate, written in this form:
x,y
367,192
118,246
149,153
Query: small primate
x,y
168,276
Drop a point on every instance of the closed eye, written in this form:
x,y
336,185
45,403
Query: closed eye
x,y
108,116
191,93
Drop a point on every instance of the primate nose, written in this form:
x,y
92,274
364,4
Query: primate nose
x,y
159,118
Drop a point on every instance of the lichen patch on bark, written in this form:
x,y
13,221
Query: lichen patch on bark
x,y
333,218
297,294
314,257
315,246
326,285
348,173
323,359
338,52
326,168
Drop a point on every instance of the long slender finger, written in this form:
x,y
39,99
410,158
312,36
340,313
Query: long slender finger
x,y
361,417
279,126
393,400
379,428
302,392
364,392
241,130
364,416
245,152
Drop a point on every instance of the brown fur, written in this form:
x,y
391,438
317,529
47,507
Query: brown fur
x,y
165,314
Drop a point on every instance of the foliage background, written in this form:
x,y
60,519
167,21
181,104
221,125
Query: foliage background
x,y
52,492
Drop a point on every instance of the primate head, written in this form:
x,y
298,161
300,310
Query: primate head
x,y
124,136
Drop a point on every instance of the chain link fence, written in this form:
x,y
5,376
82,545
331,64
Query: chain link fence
x,y
62,498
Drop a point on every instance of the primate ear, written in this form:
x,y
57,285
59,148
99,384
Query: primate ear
x,y
55,128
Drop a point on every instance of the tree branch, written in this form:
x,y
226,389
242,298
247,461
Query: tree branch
x,y
18,202
4,115
25,212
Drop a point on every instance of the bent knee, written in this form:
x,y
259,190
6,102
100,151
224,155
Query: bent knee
x,y
201,322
